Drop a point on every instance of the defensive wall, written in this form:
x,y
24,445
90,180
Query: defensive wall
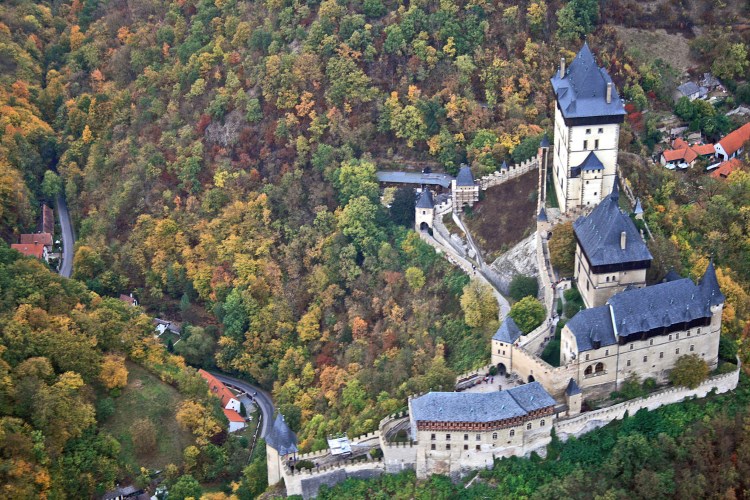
x,y
585,422
504,175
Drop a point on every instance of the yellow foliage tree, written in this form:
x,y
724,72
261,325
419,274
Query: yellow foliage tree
x,y
113,372
197,418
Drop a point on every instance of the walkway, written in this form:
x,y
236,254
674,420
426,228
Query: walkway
x,y
66,268
262,398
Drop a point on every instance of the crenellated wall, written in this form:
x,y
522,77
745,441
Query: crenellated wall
x,y
307,482
498,177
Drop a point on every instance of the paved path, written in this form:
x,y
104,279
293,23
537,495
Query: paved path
x,y
66,268
262,398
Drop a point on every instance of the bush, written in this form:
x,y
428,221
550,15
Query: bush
x,y
304,464
523,286
493,370
559,307
727,349
376,453
528,313
551,353
689,371
572,295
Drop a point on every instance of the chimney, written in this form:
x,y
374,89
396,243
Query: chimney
x,y
622,240
562,67
609,92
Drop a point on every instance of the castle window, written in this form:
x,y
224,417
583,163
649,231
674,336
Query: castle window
x,y
601,130
479,437
541,423
606,352
607,279
599,368
503,353
588,131
512,432
651,342
432,446
433,437
494,435
699,331
528,426
661,355
688,333
677,351
466,447
595,193
631,347
670,337
585,144
587,285
466,437
447,446
447,437
478,448
628,362
692,348
677,336
645,358
596,144
589,370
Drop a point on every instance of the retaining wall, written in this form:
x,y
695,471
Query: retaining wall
x,y
307,482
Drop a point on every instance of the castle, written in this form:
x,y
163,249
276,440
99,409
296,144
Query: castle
x,y
628,329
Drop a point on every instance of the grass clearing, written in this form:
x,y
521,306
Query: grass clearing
x,y
146,396
673,49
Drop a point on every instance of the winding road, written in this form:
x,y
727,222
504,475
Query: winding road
x,y
66,268
262,398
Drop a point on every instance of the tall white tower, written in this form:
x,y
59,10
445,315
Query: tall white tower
x,y
588,114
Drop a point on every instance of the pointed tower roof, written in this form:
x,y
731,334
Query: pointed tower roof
x,y
508,331
281,438
582,91
572,388
465,177
504,166
616,189
638,208
425,199
544,142
542,217
592,162
709,285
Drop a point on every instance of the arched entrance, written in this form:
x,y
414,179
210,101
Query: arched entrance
x,y
531,378
501,370
424,226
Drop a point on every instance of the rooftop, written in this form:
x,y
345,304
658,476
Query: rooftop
x,y
508,331
592,162
464,177
688,88
217,387
395,177
599,234
281,438
582,91
480,406
590,326
425,199
30,250
43,238
233,416
734,140
725,168
572,388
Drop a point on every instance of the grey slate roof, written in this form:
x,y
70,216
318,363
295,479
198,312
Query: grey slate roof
x,y
572,388
542,217
599,234
544,142
465,177
582,91
709,285
281,438
508,331
638,210
592,325
688,88
672,275
480,406
504,166
591,162
443,180
425,199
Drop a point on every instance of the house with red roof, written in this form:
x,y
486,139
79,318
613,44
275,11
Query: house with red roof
x,y
683,155
37,250
726,168
236,422
221,391
733,143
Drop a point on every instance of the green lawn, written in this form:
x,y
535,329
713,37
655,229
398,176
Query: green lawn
x,y
146,396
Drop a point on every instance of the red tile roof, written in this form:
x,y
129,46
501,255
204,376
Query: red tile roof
x,y
680,143
43,238
32,250
217,388
233,416
704,149
127,298
726,168
683,151
735,139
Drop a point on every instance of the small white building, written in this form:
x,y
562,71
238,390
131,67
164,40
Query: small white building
x,y
424,212
236,422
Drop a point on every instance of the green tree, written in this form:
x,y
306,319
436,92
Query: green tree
x,y
402,207
479,305
733,62
185,487
359,222
523,286
357,178
689,371
415,278
51,185
577,19
528,313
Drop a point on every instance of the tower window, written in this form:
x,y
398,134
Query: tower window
x,y
494,435
447,447
588,131
631,347
677,351
601,130
645,358
466,437
585,144
466,447
596,144
528,426
661,355
692,348
628,362
432,446
512,432
478,448
433,437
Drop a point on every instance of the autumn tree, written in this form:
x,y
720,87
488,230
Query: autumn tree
x,y
689,371
113,372
479,305
562,248
197,418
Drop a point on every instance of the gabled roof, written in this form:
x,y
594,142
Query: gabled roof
x,y
217,387
599,234
688,88
480,407
582,91
683,151
735,139
30,250
727,167
592,325
572,388
672,275
592,162
127,298
43,238
281,438
425,199
443,180
233,416
508,331
638,207
464,177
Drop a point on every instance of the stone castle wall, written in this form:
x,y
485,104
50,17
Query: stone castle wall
x,y
498,177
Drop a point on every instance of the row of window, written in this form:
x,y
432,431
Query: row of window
x,y
586,144
601,131
478,437
661,354
448,447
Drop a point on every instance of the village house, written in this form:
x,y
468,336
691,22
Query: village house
x,y
37,250
229,402
682,155
733,144
725,168
691,90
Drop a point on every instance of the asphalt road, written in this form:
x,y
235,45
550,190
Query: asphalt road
x,y
66,268
262,399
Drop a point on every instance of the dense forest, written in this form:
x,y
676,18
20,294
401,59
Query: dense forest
x,y
219,160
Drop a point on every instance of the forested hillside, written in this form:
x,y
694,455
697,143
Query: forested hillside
x,y
219,159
